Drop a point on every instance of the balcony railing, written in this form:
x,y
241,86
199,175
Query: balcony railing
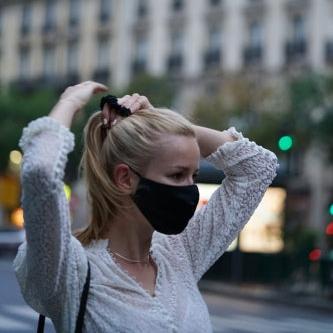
x,y
104,17
142,11
178,5
215,3
254,8
329,52
295,50
252,55
139,66
293,6
25,29
49,27
212,59
72,78
24,85
102,75
73,21
175,63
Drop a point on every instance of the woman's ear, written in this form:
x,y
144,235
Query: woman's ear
x,y
123,178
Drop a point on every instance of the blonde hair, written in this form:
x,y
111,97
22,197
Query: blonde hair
x,y
133,141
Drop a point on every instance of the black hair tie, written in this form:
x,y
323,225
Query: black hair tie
x,y
113,104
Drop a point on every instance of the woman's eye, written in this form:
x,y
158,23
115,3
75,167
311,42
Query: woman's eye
x,y
177,176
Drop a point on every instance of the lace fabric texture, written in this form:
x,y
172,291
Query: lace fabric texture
x,y
51,264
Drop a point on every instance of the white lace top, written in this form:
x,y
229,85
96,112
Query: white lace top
x,y
51,265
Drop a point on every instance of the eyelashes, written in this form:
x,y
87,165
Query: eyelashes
x,y
179,176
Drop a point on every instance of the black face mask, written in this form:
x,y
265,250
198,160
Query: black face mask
x,y
168,208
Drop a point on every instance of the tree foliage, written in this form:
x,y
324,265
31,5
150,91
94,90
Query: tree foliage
x,y
17,109
159,90
301,106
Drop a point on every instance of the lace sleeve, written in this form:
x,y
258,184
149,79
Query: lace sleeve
x,y
249,170
50,263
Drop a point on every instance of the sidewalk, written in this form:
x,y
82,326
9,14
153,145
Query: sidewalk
x,y
267,294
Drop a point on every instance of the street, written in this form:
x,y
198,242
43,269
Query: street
x,y
228,315
241,316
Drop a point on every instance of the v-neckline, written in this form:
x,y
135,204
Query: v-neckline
x,y
104,243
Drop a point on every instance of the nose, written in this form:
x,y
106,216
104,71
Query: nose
x,y
189,181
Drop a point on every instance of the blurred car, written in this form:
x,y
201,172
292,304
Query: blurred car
x,y
10,239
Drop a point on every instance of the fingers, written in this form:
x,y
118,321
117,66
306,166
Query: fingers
x,y
95,86
123,100
80,94
134,102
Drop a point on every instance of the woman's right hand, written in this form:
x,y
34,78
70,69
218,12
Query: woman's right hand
x,y
73,99
135,102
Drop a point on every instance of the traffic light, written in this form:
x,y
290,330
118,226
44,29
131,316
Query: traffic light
x,y
329,224
329,229
285,143
330,209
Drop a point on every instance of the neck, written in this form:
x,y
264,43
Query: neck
x,y
130,236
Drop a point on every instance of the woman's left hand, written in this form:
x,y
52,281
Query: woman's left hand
x,y
73,99
135,102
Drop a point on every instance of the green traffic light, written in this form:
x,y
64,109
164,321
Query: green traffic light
x,y
331,209
285,142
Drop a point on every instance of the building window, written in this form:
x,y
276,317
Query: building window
x,y
142,49
253,50
296,46
24,63
175,60
214,38
49,62
74,12
255,34
177,42
1,23
141,55
105,10
72,58
215,2
329,52
26,18
298,28
177,5
142,9
102,71
212,57
50,16
103,54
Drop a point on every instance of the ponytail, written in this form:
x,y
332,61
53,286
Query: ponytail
x,y
134,141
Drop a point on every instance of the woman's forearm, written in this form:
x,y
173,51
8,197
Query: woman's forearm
x,y
209,140
63,112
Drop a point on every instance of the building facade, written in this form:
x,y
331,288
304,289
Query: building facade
x,y
113,40
196,43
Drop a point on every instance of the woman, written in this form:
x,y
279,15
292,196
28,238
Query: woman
x,y
140,173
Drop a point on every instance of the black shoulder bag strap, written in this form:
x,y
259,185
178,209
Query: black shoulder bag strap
x,y
80,317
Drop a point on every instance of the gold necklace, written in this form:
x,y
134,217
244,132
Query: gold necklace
x,y
131,260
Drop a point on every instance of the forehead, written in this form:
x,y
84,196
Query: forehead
x,y
176,150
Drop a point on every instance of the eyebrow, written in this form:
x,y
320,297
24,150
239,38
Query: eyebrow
x,y
184,168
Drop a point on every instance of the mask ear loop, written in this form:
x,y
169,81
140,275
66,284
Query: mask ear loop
x,y
135,172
